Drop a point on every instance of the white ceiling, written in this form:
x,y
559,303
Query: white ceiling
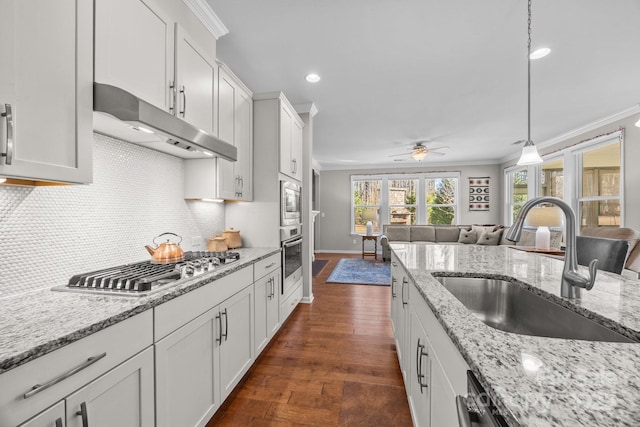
x,y
450,71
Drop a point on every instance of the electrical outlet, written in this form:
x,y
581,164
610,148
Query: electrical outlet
x,y
196,241
355,242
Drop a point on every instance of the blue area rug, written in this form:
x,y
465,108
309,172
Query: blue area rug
x,y
361,272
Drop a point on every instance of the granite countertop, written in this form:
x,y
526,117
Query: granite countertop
x,y
538,381
40,321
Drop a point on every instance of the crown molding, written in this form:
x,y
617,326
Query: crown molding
x,y
207,16
306,108
581,130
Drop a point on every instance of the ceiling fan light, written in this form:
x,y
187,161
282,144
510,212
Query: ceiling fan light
x,y
529,155
419,155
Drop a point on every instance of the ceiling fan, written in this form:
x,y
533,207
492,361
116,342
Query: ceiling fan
x,y
419,151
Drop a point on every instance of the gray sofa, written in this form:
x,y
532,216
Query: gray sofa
x,y
455,234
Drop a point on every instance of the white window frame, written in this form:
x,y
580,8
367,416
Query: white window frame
x,y
576,154
421,204
509,190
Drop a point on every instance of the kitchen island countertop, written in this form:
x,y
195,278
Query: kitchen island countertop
x,y
538,381
40,321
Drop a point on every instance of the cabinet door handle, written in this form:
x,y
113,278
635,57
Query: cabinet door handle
x,y
226,324
8,155
39,387
59,422
219,338
183,91
393,288
420,354
172,97
404,282
83,413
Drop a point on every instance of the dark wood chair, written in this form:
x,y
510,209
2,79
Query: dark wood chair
x,y
610,253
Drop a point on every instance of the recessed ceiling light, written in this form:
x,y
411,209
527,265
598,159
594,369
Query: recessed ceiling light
x,y
312,78
540,53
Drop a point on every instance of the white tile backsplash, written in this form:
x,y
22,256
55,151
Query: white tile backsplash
x,y
48,234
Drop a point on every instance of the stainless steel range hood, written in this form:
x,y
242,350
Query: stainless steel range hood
x,y
122,115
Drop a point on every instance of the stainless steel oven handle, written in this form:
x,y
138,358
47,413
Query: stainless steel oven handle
x,y
40,387
291,244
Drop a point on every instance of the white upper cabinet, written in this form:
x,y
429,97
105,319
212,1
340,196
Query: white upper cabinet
x,y
46,92
141,49
235,126
134,49
219,178
194,77
290,142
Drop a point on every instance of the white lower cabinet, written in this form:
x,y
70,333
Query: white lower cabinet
x,y
400,314
121,397
236,339
187,367
434,372
419,375
267,301
199,364
110,372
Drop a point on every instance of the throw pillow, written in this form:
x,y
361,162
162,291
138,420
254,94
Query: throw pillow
x,y
468,237
489,238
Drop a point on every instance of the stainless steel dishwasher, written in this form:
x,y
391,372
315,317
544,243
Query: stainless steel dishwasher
x,y
477,409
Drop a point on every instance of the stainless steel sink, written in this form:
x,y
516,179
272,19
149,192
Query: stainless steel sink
x,y
511,308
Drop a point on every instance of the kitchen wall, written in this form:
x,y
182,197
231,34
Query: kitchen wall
x,y
49,234
332,230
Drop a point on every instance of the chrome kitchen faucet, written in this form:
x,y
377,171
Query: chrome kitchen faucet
x,y
572,279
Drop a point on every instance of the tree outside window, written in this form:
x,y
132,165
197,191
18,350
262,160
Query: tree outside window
x,y
441,200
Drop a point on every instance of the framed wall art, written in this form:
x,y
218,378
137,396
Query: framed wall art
x,y
479,193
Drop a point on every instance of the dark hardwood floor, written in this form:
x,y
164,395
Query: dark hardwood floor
x,y
333,363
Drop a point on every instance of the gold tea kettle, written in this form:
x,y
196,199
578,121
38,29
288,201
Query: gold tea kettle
x,y
166,253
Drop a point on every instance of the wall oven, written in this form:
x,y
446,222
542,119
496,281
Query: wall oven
x,y
290,204
291,263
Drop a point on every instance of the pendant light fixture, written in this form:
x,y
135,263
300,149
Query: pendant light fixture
x,y
530,154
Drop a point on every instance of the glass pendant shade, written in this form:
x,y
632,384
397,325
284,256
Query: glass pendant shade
x,y
529,155
419,155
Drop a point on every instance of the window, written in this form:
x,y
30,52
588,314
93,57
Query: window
x,y
366,204
552,178
599,190
517,192
402,201
441,200
420,198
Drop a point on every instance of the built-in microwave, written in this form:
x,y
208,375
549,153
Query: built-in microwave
x,y
290,204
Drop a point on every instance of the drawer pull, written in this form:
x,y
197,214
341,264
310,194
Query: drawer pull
x,y
270,265
39,387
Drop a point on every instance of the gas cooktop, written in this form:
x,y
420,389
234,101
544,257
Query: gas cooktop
x,y
144,278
